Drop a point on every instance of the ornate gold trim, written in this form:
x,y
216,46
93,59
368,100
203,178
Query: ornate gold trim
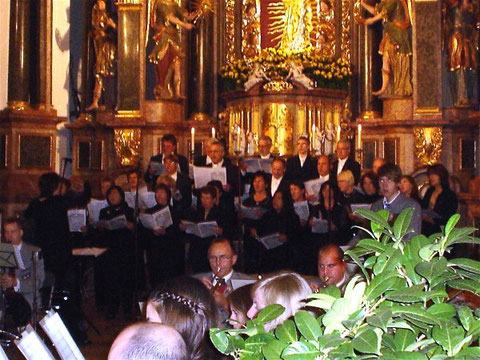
x,y
369,114
276,86
427,110
122,114
428,144
230,30
18,105
129,4
346,27
127,145
200,117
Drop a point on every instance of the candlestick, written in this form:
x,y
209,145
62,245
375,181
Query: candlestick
x,y
193,140
359,136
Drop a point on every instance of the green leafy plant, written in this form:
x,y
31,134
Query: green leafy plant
x,y
395,310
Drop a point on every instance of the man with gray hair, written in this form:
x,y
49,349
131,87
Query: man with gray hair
x,y
344,161
264,147
148,341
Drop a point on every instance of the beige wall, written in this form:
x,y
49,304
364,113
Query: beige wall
x,y
4,24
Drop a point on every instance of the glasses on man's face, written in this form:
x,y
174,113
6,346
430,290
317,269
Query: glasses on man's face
x,y
385,180
221,258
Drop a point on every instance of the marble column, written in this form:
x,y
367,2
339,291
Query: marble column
x,y
43,76
366,72
128,52
201,75
19,54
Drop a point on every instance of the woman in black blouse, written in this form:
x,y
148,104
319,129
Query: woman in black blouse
x,y
259,198
280,218
165,247
121,253
439,199
370,187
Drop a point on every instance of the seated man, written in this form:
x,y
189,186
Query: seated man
x,y
222,258
332,268
148,341
394,201
21,291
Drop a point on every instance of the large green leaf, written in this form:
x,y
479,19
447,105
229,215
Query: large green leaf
x,y
376,217
448,337
474,328
359,263
274,350
431,269
465,284
402,223
451,224
286,332
442,311
466,264
322,301
371,245
331,290
270,313
407,295
344,351
402,355
331,341
466,317
257,342
307,325
416,313
300,351
460,236
381,319
220,340
379,285
403,338
412,248
368,341
387,261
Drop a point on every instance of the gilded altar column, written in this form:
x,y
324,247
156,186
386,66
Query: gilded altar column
x,y
19,54
128,52
201,94
43,76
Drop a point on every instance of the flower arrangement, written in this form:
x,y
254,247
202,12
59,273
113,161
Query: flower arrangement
x,y
326,73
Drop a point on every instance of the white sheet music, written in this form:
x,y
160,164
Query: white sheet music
x,y
203,175
253,213
203,229
32,347
155,221
56,330
257,164
130,198
238,283
94,207
159,168
312,187
147,200
319,226
301,209
270,241
3,356
118,222
77,218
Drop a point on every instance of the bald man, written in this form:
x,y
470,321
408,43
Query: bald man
x,y
332,268
148,341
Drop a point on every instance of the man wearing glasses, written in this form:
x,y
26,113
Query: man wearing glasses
x,y
222,258
394,200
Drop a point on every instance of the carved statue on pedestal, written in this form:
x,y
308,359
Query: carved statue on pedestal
x,y
104,44
329,138
251,31
395,47
167,17
461,20
297,76
256,76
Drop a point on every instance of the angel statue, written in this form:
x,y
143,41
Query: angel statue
x,y
104,44
329,138
297,76
167,18
395,47
256,76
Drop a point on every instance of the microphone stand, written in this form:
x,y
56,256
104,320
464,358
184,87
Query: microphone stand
x,y
35,257
136,215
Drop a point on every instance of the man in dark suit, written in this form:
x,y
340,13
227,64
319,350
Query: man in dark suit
x,y
205,160
277,181
394,200
169,147
344,162
22,287
264,147
217,154
182,198
302,166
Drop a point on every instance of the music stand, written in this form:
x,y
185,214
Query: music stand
x,y
8,260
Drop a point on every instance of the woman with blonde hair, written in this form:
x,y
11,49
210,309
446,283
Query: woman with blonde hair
x,y
288,289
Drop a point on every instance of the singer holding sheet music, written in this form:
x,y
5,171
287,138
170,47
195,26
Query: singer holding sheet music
x,y
165,247
20,287
121,253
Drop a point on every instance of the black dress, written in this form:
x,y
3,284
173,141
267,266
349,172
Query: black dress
x,y
304,257
121,259
251,246
165,253
445,206
338,216
286,222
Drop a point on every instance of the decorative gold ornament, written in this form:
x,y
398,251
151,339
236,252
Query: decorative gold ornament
x,y
251,29
278,123
428,144
230,30
18,105
346,26
127,146
200,117
277,85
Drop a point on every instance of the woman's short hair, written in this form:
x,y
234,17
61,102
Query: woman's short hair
x,y
165,188
442,172
260,174
120,191
373,178
209,190
288,289
347,176
414,193
167,180
185,304
298,183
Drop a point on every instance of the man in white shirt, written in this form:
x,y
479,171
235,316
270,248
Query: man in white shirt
x,y
21,290
264,147
278,181
302,166
344,162
323,168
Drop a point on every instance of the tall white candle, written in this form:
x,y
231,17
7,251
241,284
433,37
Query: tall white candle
x,y
339,131
193,139
213,132
359,136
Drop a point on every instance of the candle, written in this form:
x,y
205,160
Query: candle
x,y
313,136
339,131
359,137
213,132
193,139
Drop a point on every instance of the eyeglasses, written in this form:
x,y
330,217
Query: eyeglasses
x,y
221,258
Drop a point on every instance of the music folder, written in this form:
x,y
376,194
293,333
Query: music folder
x,y
7,256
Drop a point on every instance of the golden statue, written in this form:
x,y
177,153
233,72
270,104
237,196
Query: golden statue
x,y
395,47
104,44
251,31
461,20
167,17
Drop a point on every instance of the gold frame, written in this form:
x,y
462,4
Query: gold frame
x,y
51,157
